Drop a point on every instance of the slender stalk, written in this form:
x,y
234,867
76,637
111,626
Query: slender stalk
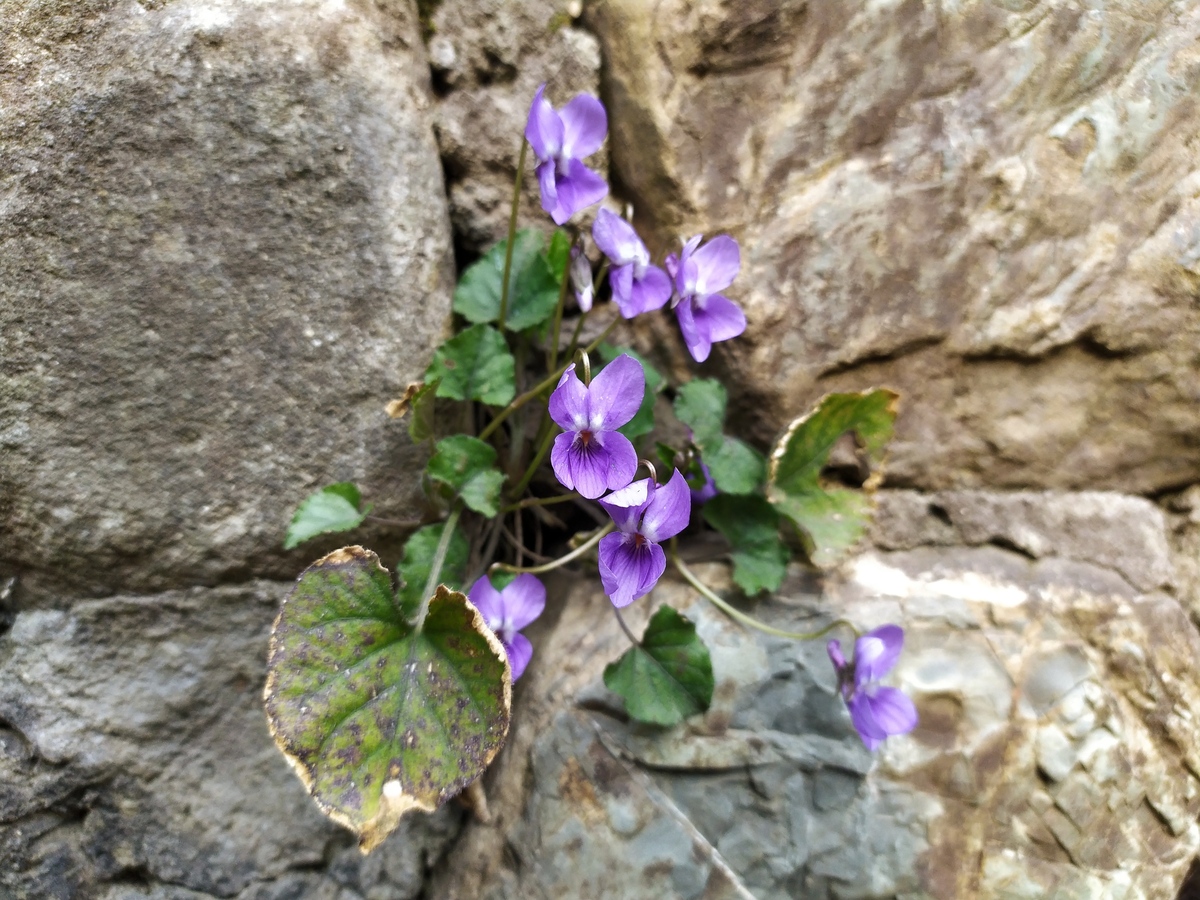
x,y
435,569
562,560
547,439
625,628
735,613
395,523
512,233
540,501
549,381
556,330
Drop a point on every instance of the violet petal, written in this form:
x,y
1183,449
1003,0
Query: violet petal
x,y
616,238
485,598
625,505
520,651
588,465
560,455
578,189
876,653
622,458
620,280
568,404
548,183
544,129
524,600
585,125
616,394
669,509
719,317
696,340
650,292
717,264
629,571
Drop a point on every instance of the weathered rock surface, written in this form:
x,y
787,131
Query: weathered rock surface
x,y
991,207
1056,756
488,58
135,762
223,247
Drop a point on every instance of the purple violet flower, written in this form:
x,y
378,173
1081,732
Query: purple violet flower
x,y
705,316
560,141
637,286
877,712
646,514
581,278
707,490
591,456
508,611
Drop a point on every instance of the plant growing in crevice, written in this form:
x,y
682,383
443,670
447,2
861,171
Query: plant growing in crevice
x,y
390,693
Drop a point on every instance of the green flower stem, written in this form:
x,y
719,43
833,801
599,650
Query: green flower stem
x,y
562,560
435,568
556,329
512,233
735,613
546,440
625,628
540,501
537,389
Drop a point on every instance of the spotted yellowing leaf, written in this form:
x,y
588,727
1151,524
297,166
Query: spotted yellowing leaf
x,y
378,717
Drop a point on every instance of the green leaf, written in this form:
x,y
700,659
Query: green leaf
x,y
474,365
532,287
700,405
643,421
667,677
558,255
414,566
376,717
333,508
736,467
832,519
751,526
467,464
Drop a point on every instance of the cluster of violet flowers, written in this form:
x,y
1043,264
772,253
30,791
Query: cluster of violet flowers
x,y
593,458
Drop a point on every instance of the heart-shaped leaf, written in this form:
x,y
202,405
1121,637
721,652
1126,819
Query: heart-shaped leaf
x,y
736,467
833,519
331,509
468,465
751,526
532,285
668,676
419,551
474,365
376,716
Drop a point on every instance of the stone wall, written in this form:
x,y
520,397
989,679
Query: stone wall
x,y
228,232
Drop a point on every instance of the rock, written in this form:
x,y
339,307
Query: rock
x,y
993,209
1056,754
488,58
223,248
135,762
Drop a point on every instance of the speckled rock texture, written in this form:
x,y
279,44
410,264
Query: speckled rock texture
x,y
488,58
135,762
1056,755
992,207
224,246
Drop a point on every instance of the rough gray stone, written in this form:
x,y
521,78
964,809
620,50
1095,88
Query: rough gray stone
x,y
135,762
992,207
1056,754
488,58
223,247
